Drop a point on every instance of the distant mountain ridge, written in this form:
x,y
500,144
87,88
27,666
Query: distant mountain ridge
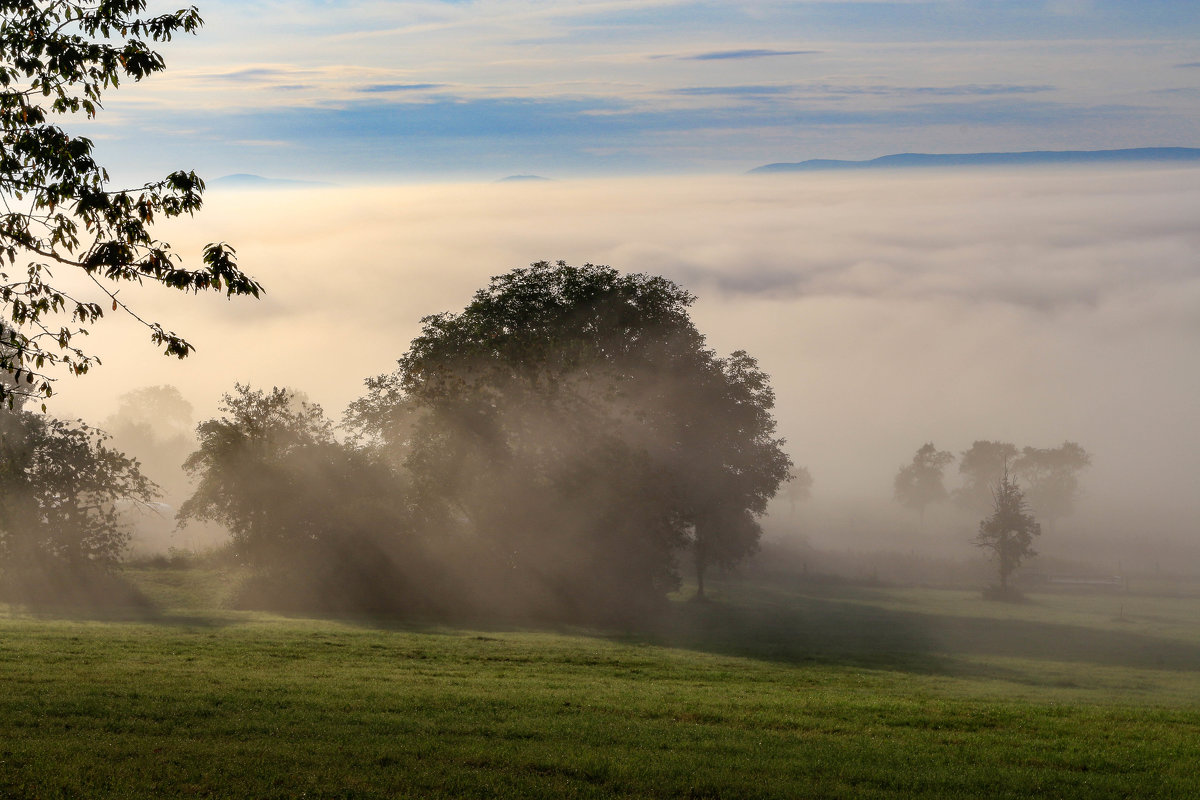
x,y
1030,158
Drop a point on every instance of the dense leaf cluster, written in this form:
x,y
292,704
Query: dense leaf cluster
x,y
59,207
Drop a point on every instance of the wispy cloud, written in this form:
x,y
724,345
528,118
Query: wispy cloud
x,y
703,91
384,88
976,89
258,75
723,55
963,90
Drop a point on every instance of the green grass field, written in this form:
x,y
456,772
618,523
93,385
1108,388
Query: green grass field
x,y
791,690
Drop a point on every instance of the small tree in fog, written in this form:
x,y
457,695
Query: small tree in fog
x,y
1008,533
919,484
982,467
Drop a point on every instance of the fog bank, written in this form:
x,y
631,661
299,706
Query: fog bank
x,y
891,309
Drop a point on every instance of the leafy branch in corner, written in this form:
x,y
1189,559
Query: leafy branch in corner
x,y
58,208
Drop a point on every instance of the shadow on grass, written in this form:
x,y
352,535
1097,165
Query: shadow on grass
x,y
842,625
794,621
94,595
134,614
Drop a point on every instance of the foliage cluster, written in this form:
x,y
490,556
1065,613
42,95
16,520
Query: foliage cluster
x,y
553,449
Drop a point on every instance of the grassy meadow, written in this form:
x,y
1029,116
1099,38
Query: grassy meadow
x,y
791,689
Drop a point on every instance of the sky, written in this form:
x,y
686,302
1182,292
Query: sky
x,y
380,90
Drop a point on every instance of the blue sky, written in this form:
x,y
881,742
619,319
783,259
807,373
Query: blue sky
x,y
384,90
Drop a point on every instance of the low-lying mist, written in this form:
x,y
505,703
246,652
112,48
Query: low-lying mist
x,y
890,310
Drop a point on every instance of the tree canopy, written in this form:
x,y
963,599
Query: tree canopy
x,y
919,483
62,213
982,467
572,422
1052,475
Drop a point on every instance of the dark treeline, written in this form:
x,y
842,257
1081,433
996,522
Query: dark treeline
x,y
560,448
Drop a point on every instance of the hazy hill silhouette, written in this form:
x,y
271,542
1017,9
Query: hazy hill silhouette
x,y
1031,158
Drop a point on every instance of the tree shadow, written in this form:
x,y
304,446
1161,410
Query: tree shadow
x,y
834,624
798,621
847,626
149,615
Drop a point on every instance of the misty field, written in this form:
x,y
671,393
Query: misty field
x,y
788,690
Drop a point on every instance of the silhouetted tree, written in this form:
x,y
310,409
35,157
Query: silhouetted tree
x,y
982,468
572,423
1009,532
61,211
322,523
920,483
1052,478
